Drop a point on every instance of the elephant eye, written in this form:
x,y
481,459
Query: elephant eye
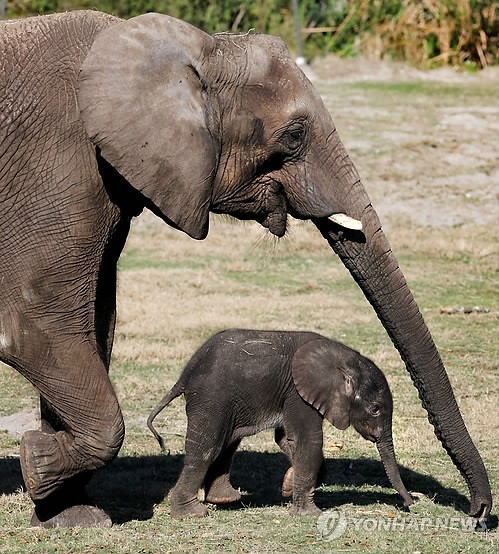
x,y
296,134
375,410
293,137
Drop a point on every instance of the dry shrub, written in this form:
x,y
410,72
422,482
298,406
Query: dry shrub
x,y
432,32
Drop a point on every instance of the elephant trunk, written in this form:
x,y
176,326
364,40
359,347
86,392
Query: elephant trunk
x,y
387,454
369,258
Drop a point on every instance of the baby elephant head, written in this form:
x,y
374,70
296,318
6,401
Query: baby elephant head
x,y
349,389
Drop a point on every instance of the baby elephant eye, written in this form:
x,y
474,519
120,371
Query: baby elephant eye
x,y
375,410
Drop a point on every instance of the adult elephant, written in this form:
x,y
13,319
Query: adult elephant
x,y
102,117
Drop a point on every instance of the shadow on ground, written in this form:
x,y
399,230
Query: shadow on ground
x,y
131,486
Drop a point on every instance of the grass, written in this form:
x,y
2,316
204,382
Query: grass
x,y
424,89
175,292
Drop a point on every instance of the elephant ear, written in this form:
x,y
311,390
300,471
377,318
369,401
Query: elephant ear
x,y
141,98
320,380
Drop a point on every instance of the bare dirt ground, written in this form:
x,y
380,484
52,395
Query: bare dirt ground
x,y
16,424
333,68
445,170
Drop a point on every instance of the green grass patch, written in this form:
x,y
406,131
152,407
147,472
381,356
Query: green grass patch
x,y
419,89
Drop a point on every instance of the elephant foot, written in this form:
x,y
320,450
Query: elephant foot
x,y
41,457
81,515
69,507
310,510
287,483
222,492
189,509
225,497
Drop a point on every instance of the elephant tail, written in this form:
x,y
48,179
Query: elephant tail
x,y
176,391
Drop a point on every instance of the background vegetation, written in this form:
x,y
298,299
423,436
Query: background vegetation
x,y
425,33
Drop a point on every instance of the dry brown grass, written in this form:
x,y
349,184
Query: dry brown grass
x,y
436,32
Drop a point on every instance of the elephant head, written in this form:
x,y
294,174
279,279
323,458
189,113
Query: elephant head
x,y
229,124
349,389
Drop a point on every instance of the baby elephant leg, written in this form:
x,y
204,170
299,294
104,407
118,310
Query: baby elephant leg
x,y
282,441
184,500
303,427
287,483
217,485
202,447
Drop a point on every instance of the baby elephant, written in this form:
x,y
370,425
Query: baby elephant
x,y
243,381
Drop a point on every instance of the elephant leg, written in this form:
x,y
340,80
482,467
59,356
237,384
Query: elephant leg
x,y
303,426
282,442
202,447
105,301
217,483
50,422
54,509
287,482
82,430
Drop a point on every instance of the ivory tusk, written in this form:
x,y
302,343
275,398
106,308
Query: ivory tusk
x,y
346,221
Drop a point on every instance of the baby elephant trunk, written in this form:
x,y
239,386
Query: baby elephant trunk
x,y
387,454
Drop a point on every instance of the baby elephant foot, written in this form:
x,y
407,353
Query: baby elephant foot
x,y
81,515
182,505
191,509
287,483
227,498
309,510
222,492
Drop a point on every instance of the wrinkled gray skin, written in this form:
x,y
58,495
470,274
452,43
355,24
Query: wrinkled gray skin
x,y
100,118
242,381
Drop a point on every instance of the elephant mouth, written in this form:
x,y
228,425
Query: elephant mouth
x,y
276,222
369,434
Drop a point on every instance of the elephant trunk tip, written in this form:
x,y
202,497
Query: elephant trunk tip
x,y
408,500
480,508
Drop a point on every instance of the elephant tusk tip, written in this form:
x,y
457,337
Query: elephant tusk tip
x,y
346,221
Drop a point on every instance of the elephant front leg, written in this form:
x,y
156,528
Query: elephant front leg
x,y
304,483
307,461
286,446
303,432
82,430
70,502
217,485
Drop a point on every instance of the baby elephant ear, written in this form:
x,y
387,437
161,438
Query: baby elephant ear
x,y
320,381
141,97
